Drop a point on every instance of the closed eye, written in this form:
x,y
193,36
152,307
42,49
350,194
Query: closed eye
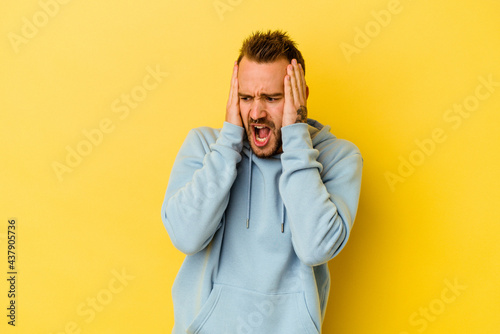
x,y
272,97
268,98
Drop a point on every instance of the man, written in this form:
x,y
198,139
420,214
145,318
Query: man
x,y
261,205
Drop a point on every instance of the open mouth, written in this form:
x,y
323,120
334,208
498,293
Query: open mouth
x,y
261,135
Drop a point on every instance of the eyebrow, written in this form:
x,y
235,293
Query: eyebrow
x,y
274,95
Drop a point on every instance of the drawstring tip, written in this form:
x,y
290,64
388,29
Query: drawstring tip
x,y
248,222
282,227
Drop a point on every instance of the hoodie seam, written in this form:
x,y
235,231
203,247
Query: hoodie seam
x,y
259,292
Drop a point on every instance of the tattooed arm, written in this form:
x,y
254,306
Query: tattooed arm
x,y
296,92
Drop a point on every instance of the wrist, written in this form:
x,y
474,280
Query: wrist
x,y
236,120
296,137
295,117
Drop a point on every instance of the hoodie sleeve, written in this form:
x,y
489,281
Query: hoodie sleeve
x,y
198,188
320,189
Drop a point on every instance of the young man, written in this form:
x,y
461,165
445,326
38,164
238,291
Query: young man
x,y
261,205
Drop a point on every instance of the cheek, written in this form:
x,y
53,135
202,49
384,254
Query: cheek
x,y
276,115
244,110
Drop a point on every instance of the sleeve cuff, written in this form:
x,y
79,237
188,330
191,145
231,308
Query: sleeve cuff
x,y
231,136
296,137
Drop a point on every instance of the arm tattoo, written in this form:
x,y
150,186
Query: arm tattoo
x,y
301,115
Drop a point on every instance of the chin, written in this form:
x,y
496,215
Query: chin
x,y
272,147
268,151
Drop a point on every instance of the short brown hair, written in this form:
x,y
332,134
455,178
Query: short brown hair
x,y
266,47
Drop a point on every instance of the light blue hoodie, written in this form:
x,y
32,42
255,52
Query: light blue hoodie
x,y
258,233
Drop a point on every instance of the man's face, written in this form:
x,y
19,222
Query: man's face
x,y
262,99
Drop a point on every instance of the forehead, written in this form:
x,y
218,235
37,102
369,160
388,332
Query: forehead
x,y
261,77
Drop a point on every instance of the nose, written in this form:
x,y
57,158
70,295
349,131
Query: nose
x,y
258,109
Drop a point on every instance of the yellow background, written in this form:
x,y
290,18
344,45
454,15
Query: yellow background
x,y
438,227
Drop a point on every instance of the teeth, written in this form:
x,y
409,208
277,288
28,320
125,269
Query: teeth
x,y
260,140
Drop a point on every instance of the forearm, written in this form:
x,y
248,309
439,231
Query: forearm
x,y
321,204
198,190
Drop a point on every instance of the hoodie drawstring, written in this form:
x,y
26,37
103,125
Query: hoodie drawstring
x,y
283,217
249,186
249,193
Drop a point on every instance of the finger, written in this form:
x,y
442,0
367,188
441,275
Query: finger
x,y
294,90
304,86
288,89
299,81
234,86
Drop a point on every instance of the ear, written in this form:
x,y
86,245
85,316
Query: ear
x,y
307,91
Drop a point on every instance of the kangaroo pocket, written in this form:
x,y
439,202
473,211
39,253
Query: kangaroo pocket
x,y
238,311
